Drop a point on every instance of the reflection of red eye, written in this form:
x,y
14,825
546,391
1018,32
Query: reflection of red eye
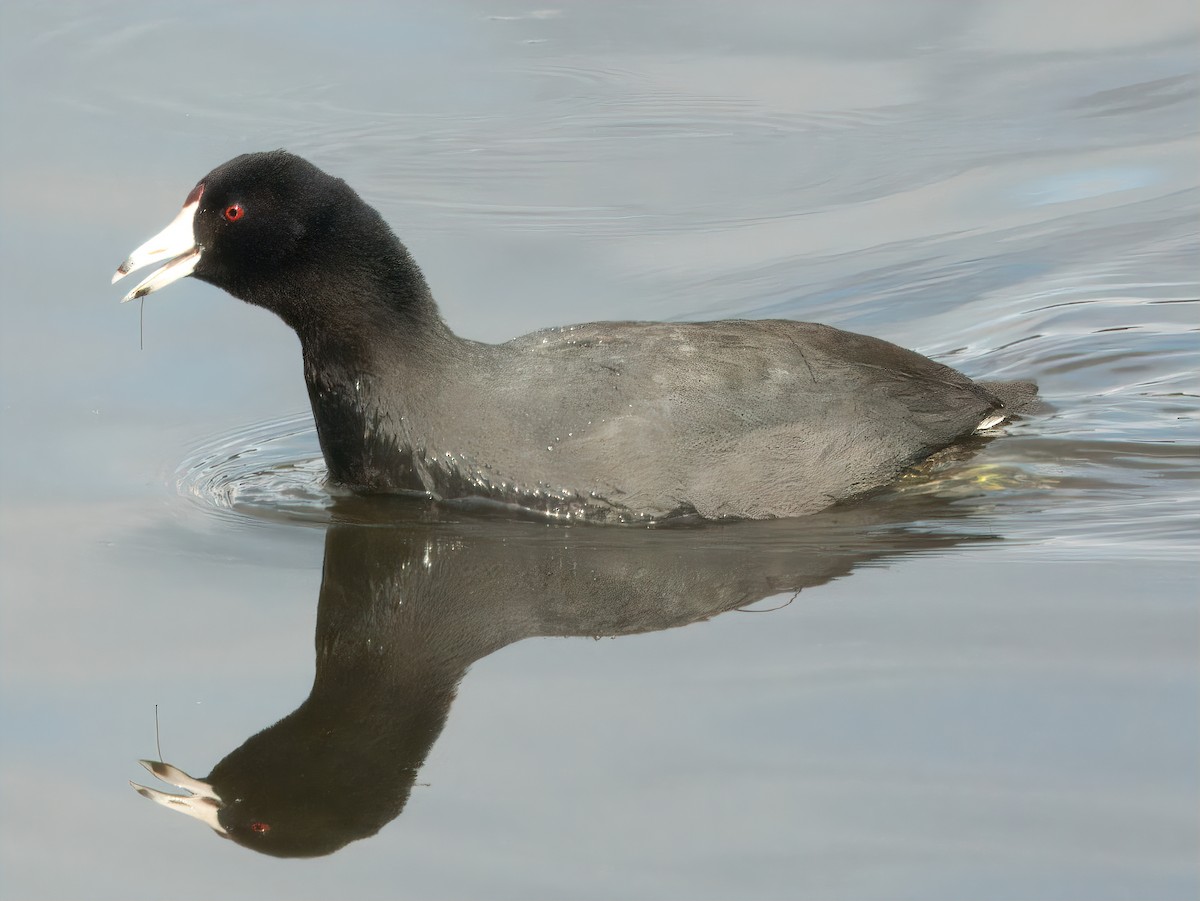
x,y
234,213
260,827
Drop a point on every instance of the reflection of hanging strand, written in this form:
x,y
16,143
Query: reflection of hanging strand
x,y
157,743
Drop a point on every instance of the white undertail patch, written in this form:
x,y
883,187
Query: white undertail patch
x,y
992,420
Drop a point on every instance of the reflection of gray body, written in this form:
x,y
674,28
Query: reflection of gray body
x,y
612,421
405,610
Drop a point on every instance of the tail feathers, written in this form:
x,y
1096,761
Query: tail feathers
x,y
1017,397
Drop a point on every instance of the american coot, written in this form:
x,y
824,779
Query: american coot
x,y
608,421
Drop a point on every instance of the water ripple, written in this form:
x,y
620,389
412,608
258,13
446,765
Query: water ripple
x,y
269,471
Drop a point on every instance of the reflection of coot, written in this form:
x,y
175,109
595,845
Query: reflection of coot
x,y
405,610
612,421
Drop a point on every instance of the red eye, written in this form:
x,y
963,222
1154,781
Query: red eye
x,y
233,214
259,827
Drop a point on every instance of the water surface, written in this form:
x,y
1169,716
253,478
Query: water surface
x,y
987,684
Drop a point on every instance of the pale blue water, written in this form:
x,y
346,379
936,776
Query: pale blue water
x,y
988,686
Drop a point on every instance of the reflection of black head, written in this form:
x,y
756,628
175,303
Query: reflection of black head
x,y
342,765
404,612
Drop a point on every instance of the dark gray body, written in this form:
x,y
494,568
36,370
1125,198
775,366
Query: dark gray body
x,y
627,421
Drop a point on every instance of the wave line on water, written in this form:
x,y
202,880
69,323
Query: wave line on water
x,y
269,470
